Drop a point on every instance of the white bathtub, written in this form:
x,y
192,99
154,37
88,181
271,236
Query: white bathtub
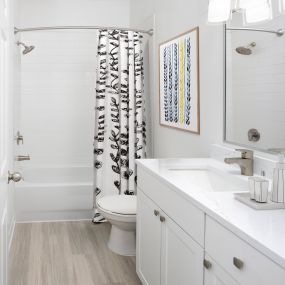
x,y
55,193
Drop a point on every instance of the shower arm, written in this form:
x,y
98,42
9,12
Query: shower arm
x,y
279,32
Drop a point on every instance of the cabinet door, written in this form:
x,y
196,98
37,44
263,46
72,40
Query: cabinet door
x,y
148,241
181,256
215,275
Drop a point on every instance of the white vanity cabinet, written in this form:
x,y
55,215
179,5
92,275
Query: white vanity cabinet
x,y
166,255
178,243
148,257
181,256
240,261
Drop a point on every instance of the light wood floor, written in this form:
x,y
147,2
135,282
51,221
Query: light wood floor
x,y
67,253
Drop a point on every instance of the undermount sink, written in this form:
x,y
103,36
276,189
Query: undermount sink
x,y
208,179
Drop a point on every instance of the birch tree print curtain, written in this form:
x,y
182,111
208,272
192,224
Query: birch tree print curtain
x,y
120,128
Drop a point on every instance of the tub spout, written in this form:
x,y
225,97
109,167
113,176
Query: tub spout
x,y
22,157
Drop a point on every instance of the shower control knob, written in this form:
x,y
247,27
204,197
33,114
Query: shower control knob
x,y
16,176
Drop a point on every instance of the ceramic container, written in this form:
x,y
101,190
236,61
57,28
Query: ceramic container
x,y
278,189
258,189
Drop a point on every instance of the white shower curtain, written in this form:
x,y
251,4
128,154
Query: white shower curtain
x,y
120,132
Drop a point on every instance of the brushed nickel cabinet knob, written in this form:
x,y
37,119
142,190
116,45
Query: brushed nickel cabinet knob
x,y
162,219
207,264
238,263
156,212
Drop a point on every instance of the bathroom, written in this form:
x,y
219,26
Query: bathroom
x,y
192,192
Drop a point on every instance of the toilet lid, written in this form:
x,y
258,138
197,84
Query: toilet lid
x,y
119,204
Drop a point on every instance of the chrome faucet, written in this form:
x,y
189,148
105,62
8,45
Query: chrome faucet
x,y
245,162
22,157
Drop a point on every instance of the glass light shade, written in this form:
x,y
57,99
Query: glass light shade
x,y
244,4
219,11
282,6
259,12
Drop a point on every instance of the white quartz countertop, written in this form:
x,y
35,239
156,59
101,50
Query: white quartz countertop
x,y
262,229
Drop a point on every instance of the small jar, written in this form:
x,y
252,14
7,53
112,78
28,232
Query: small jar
x,y
258,189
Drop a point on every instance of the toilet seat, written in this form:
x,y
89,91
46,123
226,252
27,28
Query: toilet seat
x,y
119,204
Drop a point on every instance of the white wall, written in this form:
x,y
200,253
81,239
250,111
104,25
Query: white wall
x,y
171,19
58,77
74,12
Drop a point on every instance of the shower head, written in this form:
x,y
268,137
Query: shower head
x,y
246,50
27,49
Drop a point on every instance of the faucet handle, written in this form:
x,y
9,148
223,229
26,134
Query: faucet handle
x,y
245,153
19,138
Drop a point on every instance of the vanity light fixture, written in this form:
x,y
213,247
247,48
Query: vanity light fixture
x,y
219,10
282,6
254,11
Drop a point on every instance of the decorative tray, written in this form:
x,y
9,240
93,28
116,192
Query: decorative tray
x,y
245,198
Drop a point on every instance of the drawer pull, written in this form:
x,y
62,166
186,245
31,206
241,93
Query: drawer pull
x,y
156,213
207,264
162,219
238,263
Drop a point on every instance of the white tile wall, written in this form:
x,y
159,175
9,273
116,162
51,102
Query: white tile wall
x,y
58,78
58,89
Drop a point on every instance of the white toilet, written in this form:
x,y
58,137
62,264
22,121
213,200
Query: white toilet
x,y
120,211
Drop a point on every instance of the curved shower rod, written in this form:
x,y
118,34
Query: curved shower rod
x,y
20,30
279,32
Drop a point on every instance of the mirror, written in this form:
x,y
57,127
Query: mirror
x,y
255,83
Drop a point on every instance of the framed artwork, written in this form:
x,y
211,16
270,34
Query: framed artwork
x,y
179,82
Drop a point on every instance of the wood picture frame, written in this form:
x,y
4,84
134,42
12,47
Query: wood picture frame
x,y
179,82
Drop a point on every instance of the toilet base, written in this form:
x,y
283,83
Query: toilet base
x,y
122,242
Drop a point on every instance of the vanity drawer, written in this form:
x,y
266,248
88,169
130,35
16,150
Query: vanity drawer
x,y
181,211
244,263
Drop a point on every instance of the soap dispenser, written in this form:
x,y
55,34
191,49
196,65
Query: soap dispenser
x,y
278,189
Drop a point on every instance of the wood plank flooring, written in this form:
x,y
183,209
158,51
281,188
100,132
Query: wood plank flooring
x,y
67,253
